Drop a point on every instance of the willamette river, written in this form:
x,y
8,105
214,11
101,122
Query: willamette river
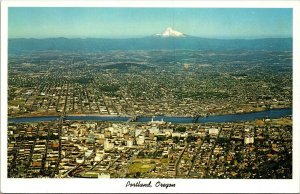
x,y
275,113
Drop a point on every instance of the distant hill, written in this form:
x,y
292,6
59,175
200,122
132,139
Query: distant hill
x,y
148,43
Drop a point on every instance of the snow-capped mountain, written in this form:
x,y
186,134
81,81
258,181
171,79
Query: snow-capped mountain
x,y
169,32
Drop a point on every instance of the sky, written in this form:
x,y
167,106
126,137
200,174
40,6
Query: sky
x,y
46,22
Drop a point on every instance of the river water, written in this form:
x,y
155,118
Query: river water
x,y
275,113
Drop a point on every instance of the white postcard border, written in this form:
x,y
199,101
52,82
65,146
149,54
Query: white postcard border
x,y
73,185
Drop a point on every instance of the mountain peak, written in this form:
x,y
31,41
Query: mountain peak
x,y
170,32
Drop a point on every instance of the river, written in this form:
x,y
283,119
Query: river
x,y
275,113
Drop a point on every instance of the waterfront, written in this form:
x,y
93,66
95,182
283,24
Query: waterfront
x,y
260,149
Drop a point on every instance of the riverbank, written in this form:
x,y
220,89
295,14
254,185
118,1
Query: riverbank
x,y
274,113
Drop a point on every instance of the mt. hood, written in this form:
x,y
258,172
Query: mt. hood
x,y
168,40
169,32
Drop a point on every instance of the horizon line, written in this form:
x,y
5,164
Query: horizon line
x,y
139,37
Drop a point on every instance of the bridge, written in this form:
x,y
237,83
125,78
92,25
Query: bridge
x,y
196,118
132,119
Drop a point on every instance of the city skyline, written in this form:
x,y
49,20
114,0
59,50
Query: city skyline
x,y
141,22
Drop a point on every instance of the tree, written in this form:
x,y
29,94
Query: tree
x,y
181,129
175,139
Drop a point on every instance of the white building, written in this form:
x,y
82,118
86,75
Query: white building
x,y
91,125
88,153
213,131
108,145
168,131
125,130
129,143
249,140
99,157
140,140
138,132
79,160
154,130
176,134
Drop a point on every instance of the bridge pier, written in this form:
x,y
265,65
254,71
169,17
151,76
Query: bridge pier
x,y
132,119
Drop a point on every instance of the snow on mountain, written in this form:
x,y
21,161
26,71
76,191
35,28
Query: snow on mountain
x,y
169,32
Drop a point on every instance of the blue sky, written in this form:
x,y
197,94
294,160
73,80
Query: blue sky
x,y
138,22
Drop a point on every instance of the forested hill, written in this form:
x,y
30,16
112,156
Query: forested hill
x,y
148,43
